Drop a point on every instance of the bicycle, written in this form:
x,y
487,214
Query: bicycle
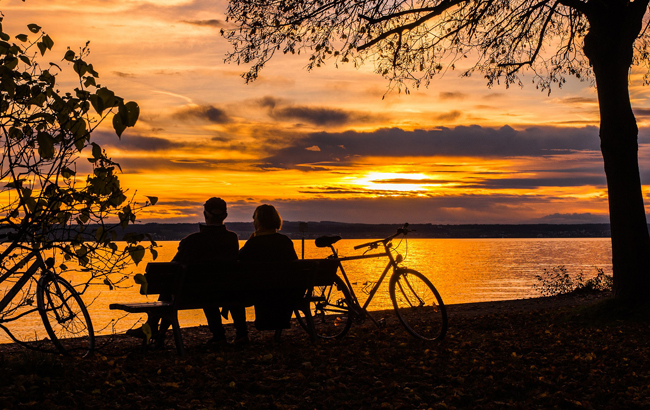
x,y
416,301
63,312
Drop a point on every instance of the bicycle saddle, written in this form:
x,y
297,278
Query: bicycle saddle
x,y
325,241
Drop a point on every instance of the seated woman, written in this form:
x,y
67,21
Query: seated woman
x,y
267,245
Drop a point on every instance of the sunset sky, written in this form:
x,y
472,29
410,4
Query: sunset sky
x,y
325,145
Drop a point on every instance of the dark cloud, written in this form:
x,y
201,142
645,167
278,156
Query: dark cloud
x,y
483,209
462,141
136,142
124,75
208,23
642,112
322,116
316,116
448,116
203,112
452,96
532,183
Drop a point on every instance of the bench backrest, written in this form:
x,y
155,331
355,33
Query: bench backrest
x,y
199,285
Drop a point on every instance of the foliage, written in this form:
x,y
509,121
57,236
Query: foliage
x,y
557,281
52,205
411,42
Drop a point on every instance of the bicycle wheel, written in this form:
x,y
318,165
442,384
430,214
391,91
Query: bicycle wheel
x,y
65,316
418,305
330,310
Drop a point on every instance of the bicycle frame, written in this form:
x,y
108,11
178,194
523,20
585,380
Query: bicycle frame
x,y
391,263
11,294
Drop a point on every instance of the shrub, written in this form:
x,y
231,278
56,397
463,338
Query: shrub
x,y
557,281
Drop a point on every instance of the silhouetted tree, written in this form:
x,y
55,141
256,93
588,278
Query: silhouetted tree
x,y
409,42
51,208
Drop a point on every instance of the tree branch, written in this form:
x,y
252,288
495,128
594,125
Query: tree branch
x,y
436,11
540,41
578,5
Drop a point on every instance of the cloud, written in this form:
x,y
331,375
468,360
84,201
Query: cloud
x,y
321,116
532,183
444,96
461,141
482,209
578,100
204,112
123,75
137,142
209,23
448,116
642,112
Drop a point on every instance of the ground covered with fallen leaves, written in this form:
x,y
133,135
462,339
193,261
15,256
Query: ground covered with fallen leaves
x,y
524,355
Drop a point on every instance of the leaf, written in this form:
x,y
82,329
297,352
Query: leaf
x,y
34,28
118,125
146,329
136,253
132,113
153,199
97,151
22,37
98,103
69,55
107,96
90,81
45,145
42,47
47,40
67,172
141,280
108,283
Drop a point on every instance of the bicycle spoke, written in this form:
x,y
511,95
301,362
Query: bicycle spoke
x,y
418,305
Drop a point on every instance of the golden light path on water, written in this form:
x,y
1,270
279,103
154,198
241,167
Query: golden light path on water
x,y
463,270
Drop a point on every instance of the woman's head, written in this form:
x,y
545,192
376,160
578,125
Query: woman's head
x,y
266,217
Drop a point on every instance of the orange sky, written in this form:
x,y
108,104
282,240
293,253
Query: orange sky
x,y
324,145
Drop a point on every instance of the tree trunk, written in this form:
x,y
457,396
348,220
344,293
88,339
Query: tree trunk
x,y
609,49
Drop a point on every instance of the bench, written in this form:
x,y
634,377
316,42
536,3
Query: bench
x,y
231,284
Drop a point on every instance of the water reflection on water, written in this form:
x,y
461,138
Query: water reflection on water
x,y
463,270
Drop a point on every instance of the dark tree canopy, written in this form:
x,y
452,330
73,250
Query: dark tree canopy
x,y
409,42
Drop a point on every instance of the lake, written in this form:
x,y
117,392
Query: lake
x,y
463,270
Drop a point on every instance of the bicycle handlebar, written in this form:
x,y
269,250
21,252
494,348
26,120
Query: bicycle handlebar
x,y
400,231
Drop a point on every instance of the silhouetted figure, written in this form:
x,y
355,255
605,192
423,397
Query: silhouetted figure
x,y
267,245
213,243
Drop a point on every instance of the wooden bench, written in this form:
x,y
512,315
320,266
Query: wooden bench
x,y
230,284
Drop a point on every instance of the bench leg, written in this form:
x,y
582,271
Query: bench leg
x,y
311,329
178,339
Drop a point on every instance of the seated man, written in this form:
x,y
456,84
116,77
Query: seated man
x,y
213,243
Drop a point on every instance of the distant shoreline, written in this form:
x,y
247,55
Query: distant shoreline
x,y
175,232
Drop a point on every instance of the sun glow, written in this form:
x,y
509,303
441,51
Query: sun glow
x,y
391,181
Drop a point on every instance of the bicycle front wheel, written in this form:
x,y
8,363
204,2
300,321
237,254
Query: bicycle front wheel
x,y
418,305
65,316
330,310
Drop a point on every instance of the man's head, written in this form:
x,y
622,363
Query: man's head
x,y
215,211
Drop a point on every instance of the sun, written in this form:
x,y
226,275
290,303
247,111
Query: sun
x,y
392,181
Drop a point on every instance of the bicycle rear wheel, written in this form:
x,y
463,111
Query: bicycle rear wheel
x,y
418,305
65,316
330,310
